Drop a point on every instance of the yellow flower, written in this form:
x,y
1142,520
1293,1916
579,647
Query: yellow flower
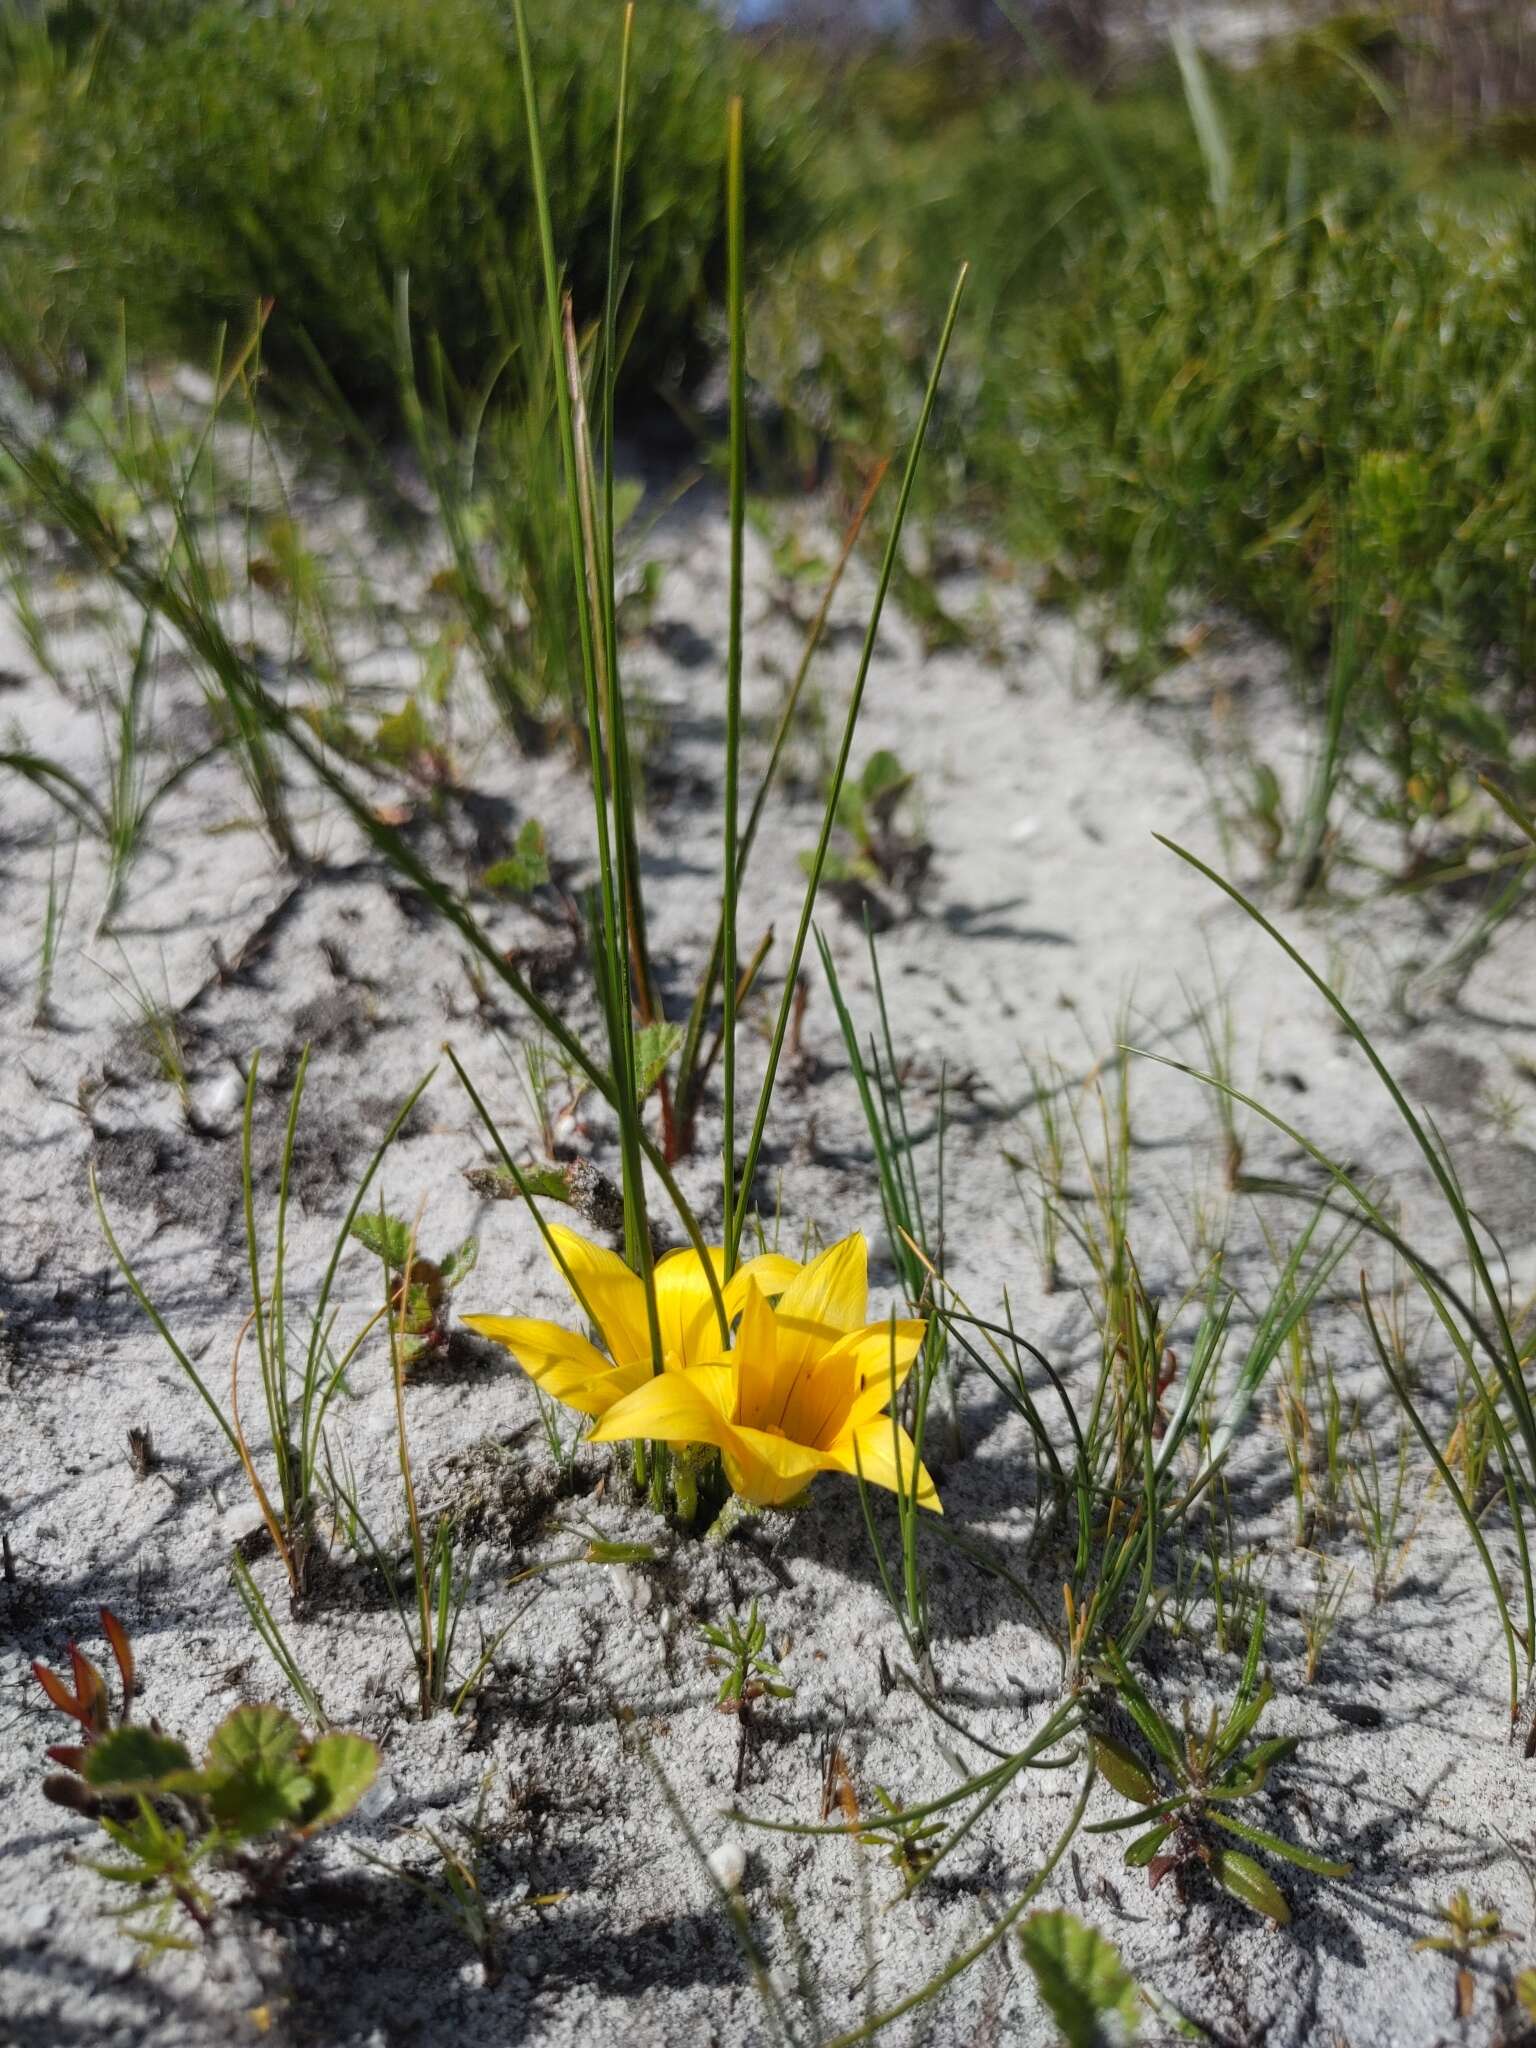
x,y
803,1389
575,1372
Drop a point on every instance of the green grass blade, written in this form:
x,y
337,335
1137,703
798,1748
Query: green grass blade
x,y
818,862
736,320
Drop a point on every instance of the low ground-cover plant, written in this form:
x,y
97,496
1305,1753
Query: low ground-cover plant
x,y
739,1651
1198,1777
880,859
1262,347
424,1287
261,1791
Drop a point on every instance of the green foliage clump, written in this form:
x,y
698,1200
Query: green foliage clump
x,y
1199,1776
1327,423
423,1287
220,154
1251,346
262,1789
875,852
740,1651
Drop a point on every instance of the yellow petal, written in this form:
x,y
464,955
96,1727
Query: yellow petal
x,y
876,1456
613,1295
543,1350
869,1356
769,1470
673,1408
760,1394
771,1271
685,1307
825,1299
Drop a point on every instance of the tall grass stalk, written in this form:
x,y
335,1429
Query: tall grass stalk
x,y
55,911
1489,1331
613,950
269,1629
918,1256
840,769
693,1061
736,320
299,1379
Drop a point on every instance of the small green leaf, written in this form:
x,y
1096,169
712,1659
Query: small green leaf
x,y
254,1778
342,1768
526,868
460,1262
403,736
387,1237
133,1759
1276,1845
1146,1846
1124,1770
883,784
1080,1977
654,1046
1242,1877
261,1736
627,493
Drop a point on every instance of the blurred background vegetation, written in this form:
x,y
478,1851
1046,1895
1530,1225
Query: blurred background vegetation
x,y
1251,325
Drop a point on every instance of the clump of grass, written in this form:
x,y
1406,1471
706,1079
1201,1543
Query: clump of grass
x,y
300,1377
405,123
118,812
1471,1310
1262,349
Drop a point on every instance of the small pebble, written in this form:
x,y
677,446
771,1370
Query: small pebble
x,y
378,1799
224,1096
32,1920
728,1866
633,1588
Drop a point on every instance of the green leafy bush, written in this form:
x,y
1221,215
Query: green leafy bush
x,y
1303,388
316,153
261,1791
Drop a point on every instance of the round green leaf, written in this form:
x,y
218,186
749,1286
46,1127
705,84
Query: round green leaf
x,y
342,1768
133,1758
1080,1976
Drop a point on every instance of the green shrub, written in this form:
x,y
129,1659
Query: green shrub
x,y
1330,426
316,153
1315,402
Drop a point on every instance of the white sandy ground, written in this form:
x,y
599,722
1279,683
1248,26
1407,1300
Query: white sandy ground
x,y
1050,909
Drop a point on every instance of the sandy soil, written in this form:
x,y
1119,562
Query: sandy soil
x,y
1050,915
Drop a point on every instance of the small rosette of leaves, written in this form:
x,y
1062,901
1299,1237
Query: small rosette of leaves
x,y
262,1789
875,851
421,1303
1196,1777
525,868
741,1653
